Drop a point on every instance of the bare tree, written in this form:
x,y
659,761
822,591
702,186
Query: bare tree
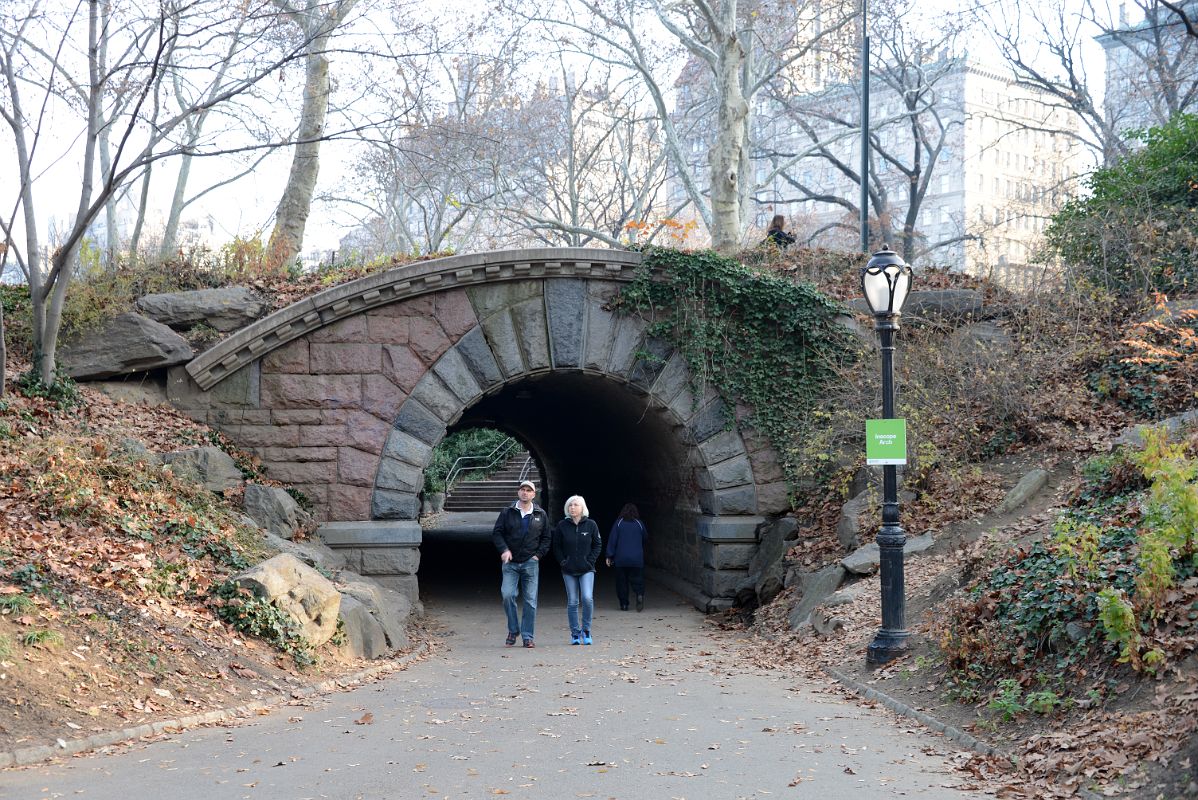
x,y
731,66
590,160
316,21
43,51
1044,43
818,133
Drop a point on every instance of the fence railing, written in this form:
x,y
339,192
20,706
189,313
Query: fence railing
x,y
491,460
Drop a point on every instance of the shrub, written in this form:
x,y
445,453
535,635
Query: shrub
x,y
1153,370
256,616
1137,228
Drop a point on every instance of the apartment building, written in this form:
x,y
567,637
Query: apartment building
x,y
983,161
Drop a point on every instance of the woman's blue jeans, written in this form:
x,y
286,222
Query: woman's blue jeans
x,y
580,590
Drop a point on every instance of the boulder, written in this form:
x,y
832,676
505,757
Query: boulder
x,y
389,608
848,528
981,338
824,623
364,635
209,466
128,343
273,509
1025,490
299,591
133,450
940,304
1134,436
816,587
225,309
866,560
312,552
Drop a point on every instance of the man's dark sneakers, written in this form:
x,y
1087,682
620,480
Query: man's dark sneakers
x,y
640,602
511,639
529,643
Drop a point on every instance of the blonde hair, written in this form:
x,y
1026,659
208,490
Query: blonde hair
x,y
585,511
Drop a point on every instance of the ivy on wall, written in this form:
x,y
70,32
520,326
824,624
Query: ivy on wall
x,y
757,338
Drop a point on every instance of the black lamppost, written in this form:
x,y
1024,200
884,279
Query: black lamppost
x,y
885,282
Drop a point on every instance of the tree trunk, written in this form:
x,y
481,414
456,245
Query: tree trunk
x,y
171,233
288,236
728,155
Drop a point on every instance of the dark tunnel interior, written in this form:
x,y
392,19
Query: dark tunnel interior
x,y
588,435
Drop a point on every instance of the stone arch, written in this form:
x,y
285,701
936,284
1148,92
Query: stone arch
x,y
346,393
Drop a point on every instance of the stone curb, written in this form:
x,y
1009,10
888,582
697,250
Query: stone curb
x,y
902,709
32,755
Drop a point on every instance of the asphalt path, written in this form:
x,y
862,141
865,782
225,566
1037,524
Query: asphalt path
x,y
660,706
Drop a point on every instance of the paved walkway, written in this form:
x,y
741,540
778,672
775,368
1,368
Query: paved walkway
x,y
654,709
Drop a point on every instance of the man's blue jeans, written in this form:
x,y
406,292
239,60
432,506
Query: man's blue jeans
x,y
520,579
580,590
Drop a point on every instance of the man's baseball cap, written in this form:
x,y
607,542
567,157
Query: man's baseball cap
x,y
529,484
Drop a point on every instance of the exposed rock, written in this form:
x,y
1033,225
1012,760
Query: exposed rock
x,y
846,596
944,304
816,587
1134,436
142,391
299,591
364,635
848,529
134,450
1023,491
981,337
312,552
225,309
128,343
209,466
867,559
389,608
824,623
273,509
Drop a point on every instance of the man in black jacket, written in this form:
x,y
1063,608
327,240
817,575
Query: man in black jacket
x,y
522,537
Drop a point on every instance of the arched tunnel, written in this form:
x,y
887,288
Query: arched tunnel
x,y
588,435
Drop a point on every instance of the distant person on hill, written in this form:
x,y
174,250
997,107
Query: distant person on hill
x,y
576,546
775,234
626,554
522,536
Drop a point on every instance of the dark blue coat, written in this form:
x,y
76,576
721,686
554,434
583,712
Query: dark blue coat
x,y
626,544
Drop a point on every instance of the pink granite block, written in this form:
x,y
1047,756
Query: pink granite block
x,y
290,358
367,432
384,326
348,503
350,329
311,391
454,313
357,467
302,471
323,436
402,366
428,340
341,359
381,397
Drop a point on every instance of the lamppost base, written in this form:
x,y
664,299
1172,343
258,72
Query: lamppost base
x,y
886,647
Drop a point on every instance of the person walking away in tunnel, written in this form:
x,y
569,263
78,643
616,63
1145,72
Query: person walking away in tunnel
x,y
626,554
576,546
522,536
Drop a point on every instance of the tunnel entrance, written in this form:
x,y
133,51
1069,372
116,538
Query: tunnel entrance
x,y
591,436
588,435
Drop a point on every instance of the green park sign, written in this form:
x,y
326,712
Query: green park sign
x,y
885,442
